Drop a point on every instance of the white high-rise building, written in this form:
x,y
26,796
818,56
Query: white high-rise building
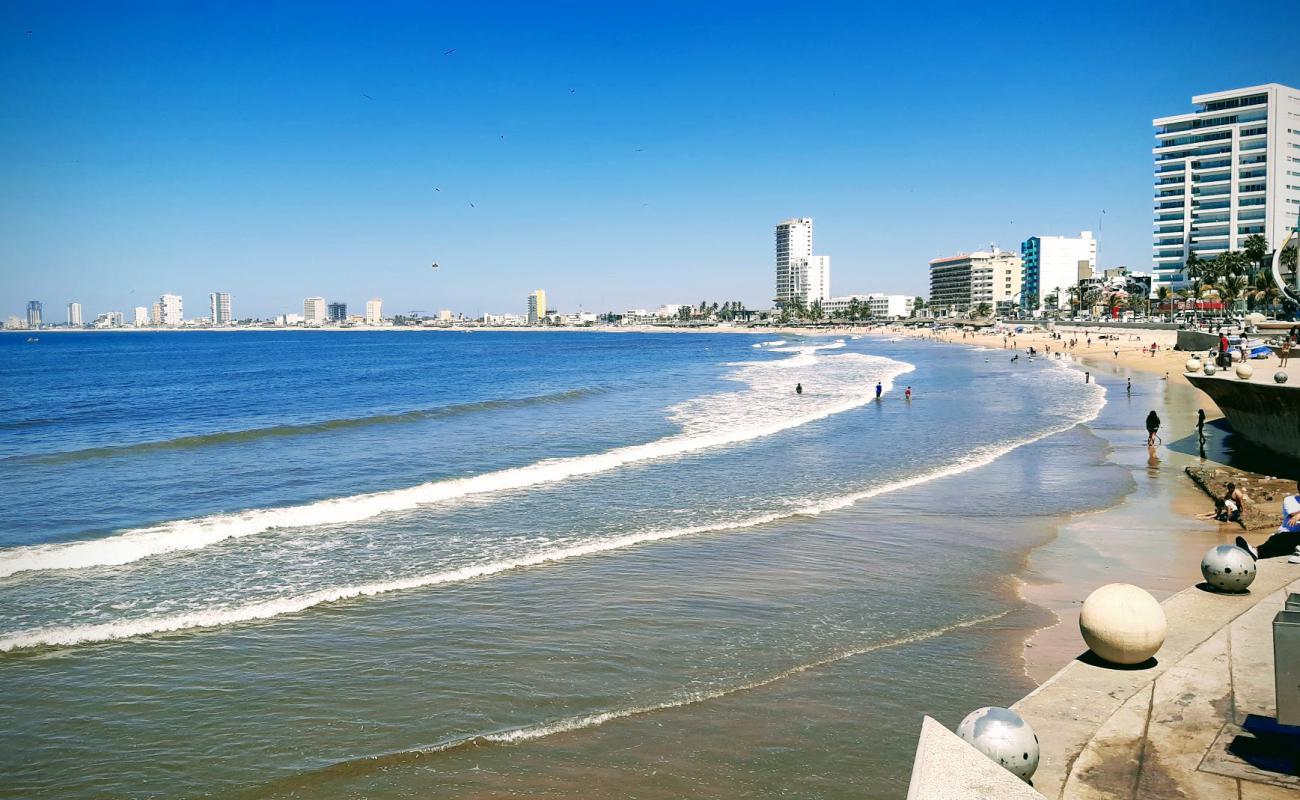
x,y
172,313
536,307
374,311
220,305
313,311
1053,264
1226,171
963,282
800,275
74,314
141,316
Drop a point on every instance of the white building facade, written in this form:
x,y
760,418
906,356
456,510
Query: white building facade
x,y
881,306
141,317
1052,264
1226,171
374,311
800,275
313,311
74,315
219,305
170,310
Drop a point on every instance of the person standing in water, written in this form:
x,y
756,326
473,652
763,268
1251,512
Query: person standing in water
x,y
798,388
908,394
1200,426
1153,425
1128,386
879,389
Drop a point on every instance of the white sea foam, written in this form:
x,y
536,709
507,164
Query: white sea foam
x,y
767,407
68,635
776,343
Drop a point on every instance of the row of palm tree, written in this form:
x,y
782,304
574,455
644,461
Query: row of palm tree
x,y
1232,276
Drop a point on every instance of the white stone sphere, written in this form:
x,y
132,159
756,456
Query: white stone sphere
x,y
1236,355
1209,369
1193,364
1279,377
1245,370
1228,568
1003,736
1122,623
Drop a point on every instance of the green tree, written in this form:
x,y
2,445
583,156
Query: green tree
x,y
684,313
797,308
815,312
982,311
854,309
1263,292
1231,287
1164,295
1255,248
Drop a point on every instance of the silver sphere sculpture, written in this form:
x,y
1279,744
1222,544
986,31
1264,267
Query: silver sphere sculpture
x,y
1228,568
1003,736
1280,376
1210,369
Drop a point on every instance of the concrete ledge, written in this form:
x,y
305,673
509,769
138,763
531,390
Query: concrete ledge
x,y
1094,722
947,768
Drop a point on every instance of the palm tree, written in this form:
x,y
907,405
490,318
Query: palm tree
x,y
1164,294
855,308
1255,248
981,311
1263,292
1231,287
815,312
797,308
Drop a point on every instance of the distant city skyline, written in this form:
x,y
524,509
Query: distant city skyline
x,y
620,158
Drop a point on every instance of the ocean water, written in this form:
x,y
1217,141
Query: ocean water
x,y
415,564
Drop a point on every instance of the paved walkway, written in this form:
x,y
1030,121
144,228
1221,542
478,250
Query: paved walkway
x,y
1174,729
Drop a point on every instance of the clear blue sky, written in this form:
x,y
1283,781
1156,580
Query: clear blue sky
x,y
616,154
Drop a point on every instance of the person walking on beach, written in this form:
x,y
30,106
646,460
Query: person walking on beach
x,y
1286,540
878,390
1284,353
1153,425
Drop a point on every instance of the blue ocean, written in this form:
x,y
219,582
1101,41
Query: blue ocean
x,y
535,563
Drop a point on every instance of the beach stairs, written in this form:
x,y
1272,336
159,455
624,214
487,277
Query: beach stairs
x,y
946,767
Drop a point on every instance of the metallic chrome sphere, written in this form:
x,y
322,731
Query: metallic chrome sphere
x,y
1228,568
1003,736
1210,369
1280,376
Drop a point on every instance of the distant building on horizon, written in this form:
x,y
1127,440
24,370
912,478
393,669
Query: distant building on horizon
x,y
881,306
338,312
34,309
313,311
1053,264
141,316
74,315
220,305
155,314
961,282
1226,171
800,275
374,311
537,307
171,310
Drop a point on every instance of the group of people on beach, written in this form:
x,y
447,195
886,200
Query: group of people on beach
x,y
1228,508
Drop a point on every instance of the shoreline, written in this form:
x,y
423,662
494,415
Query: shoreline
x,y
1150,535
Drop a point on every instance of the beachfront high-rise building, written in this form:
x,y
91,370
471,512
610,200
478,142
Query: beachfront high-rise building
x,y
374,311
34,313
338,312
172,313
141,316
880,306
1226,171
155,314
74,315
1053,264
800,275
313,311
220,305
963,282
536,307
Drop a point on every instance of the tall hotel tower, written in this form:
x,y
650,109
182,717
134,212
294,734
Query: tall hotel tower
x,y
800,274
1228,170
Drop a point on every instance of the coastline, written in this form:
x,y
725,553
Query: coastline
x,y
1150,537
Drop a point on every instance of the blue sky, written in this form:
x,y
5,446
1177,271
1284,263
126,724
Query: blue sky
x,y
616,154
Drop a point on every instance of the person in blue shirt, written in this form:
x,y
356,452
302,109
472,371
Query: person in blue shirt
x,y
878,390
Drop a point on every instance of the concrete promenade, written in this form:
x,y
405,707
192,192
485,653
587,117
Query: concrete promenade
x,y
1173,729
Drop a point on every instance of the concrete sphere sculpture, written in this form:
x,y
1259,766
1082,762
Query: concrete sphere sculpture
x,y
1193,364
1228,568
1122,624
1003,736
1245,370
1209,369
1280,377
1237,356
